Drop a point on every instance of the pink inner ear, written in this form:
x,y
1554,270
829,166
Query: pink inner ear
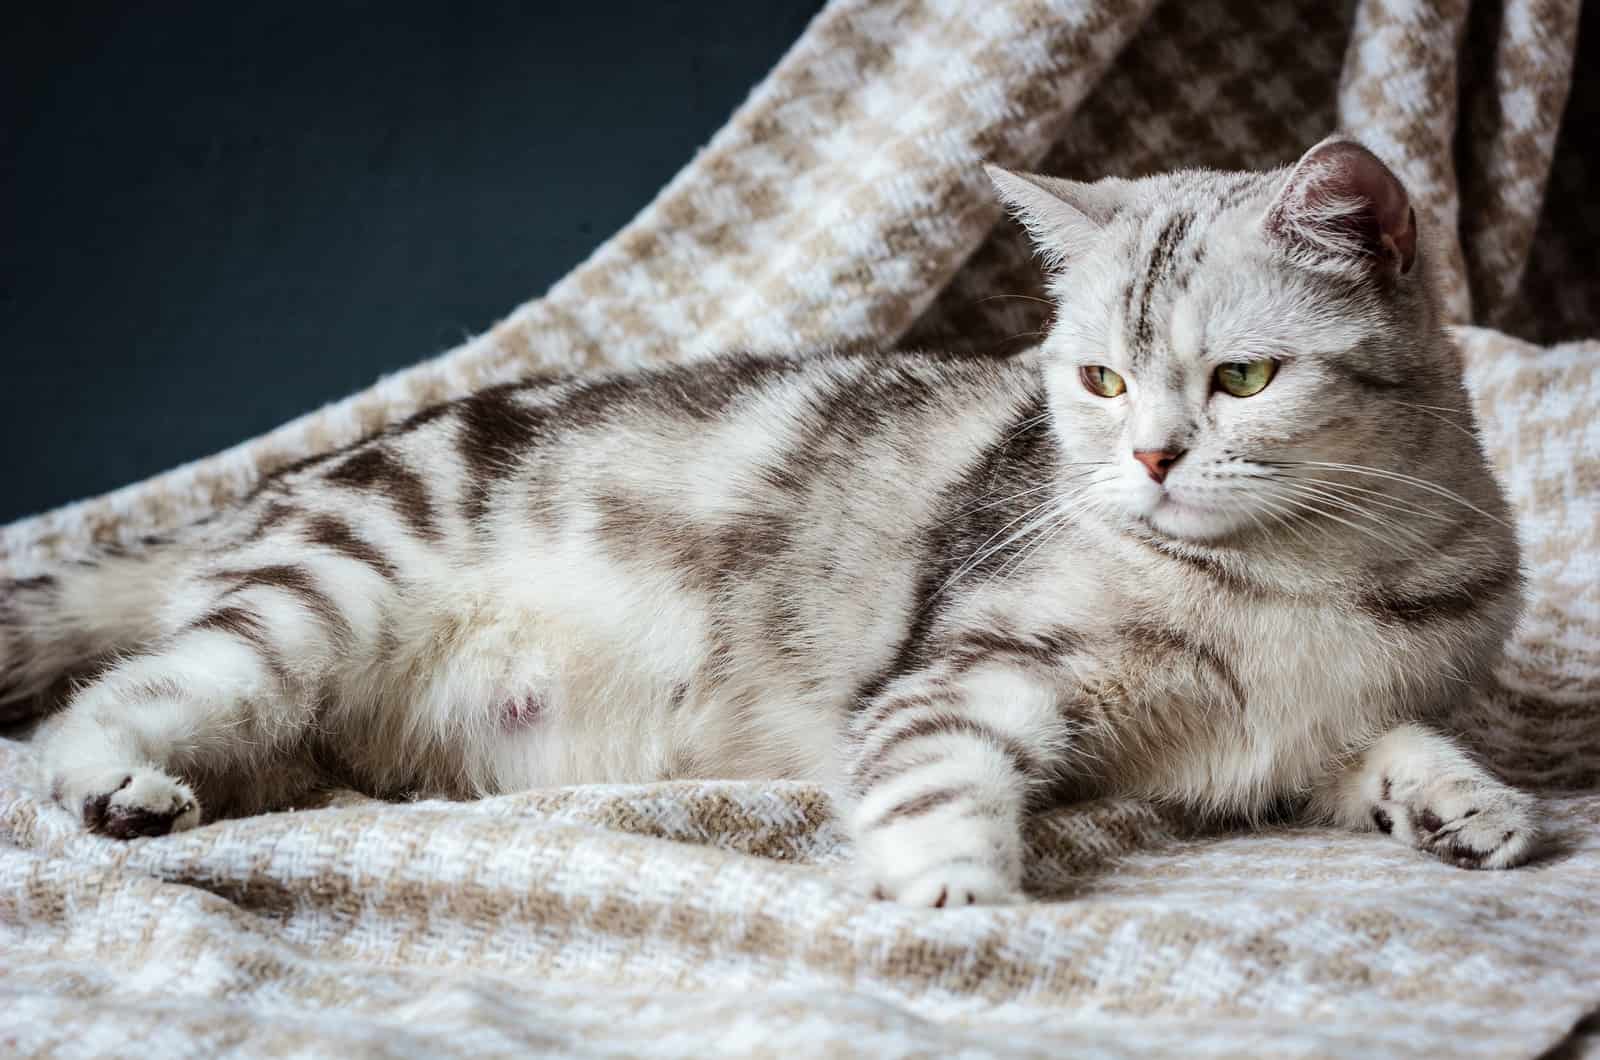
x,y
1343,197
1401,241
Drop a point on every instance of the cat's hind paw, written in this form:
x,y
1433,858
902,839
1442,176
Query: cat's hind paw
x,y
953,884
126,804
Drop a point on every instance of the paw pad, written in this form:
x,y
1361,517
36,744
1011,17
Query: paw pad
x,y
1494,835
147,803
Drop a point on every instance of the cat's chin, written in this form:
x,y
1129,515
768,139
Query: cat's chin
x,y
1191,522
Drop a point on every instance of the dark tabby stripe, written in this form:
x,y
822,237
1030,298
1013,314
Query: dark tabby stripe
x,y
966,519
943,694
717,561
1166,639
838,417
272,515
334,533
707,558
1217,570
1237,190
375,470
495,429
1457,601
875,767
245,624
305,463
703,392
10,605
1162,252
296,581
924,803
1046,648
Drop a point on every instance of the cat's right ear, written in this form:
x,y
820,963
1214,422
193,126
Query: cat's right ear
x,y
1063,217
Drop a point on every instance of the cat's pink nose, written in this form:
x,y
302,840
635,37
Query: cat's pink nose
x,y
1157,461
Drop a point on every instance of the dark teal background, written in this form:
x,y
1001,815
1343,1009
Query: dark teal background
x,y
215,216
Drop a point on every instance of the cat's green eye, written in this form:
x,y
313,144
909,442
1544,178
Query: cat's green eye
x,y
1245,378
1099,379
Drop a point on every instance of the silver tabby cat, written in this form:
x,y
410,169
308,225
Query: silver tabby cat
x,y
1227,539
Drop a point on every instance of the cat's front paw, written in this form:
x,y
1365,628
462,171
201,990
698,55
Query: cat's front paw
x,y
952,884
1471,825
125,804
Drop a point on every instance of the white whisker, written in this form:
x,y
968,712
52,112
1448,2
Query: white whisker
x,y
1304,491
1429,410
1378,497
1397,476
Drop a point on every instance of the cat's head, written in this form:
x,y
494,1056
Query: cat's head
x,y
1214,329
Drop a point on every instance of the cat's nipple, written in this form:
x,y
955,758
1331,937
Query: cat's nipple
x,y
519,712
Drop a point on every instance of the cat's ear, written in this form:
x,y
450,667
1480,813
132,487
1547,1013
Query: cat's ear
x,y
1063,217
1341,202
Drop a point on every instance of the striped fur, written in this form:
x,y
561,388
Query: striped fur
x,y
943,585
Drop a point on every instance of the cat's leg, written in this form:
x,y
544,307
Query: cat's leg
x,y
942,765
1423,790
232,686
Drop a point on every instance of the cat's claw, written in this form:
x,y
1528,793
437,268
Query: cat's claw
x,y
952,885
139,802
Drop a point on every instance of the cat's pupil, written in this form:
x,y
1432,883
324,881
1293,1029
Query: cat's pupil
x,y
1245,378
1099,379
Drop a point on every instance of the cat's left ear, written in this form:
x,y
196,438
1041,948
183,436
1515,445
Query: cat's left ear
x,y
1063,217
1341,202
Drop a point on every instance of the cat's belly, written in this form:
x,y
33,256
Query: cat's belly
x,y
576,676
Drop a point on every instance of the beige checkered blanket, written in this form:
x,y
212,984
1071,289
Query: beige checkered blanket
x,y
843,206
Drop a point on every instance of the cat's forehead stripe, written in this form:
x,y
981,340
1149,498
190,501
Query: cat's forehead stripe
x,y
1158,267
1240,189
1176,253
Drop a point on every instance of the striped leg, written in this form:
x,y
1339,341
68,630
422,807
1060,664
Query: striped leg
x,y
944,763
233,686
